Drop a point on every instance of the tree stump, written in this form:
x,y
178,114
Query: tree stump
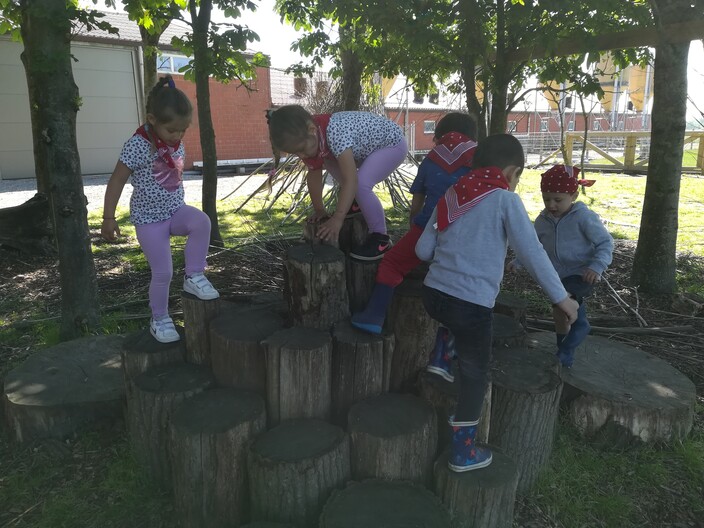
x,y
236,350
507,332
153,398
59,390
394,436
210,434
443,395
27,227
415,334
513,306
265,524
360,367
524,407
294,467
310,230
314,286
298,363
618,395
354,233
140,352
384,504
197,315
480,498
361,278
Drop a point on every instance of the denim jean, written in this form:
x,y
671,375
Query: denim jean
x,y
471,325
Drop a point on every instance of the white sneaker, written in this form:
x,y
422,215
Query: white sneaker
x,y
164,330
199,286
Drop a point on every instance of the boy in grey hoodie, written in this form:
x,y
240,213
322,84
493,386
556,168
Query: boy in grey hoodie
x,y
466,241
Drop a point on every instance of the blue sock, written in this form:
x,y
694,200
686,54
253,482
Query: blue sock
x,y
371,319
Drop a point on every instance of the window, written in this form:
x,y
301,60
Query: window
x,y
428,127
418,98
511,127
570,126
543,125
568,101
171,63
300,86
597,124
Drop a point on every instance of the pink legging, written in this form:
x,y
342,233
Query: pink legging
x,y
374,169
155,240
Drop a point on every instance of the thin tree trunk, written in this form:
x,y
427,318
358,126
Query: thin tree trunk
x,y
201,23
499,90
352,69
471,24
54,102
150,41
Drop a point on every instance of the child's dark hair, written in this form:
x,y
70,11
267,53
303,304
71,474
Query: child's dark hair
x,y
499,150
456,122
166,102
288,125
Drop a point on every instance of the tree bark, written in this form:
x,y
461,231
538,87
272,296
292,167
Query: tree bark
x,y
140,352
499,88
54,102
150,43
352,69
197,315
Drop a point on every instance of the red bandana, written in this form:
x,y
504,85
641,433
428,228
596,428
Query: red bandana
x,y
469,190
317,162
562,179
452,151
162,149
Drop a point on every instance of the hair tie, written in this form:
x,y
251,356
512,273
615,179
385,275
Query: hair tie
x,y
171,82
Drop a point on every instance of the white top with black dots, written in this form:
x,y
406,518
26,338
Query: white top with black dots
x,y
150,202
362,132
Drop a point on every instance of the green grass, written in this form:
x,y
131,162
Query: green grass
x,y
689,159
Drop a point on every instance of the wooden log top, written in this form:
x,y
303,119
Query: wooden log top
x,y
384,504
85,370
296,440
314,253
178,377
299,337
347,333
218,411
390,415
526,370
248,325
264,524
625,374
505,327
142,342
500,473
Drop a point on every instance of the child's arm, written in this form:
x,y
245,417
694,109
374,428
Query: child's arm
x,y
348,189
120,175
603,243
314,181
416,206
425,247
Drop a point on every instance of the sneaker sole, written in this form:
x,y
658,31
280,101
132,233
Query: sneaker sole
x,y
153,333
188,290
462,469
369,328
369,259
440,372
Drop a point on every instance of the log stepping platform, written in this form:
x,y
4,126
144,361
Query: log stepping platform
x,y
265,524
513,306
619,395
361,365
298,374
237,354
525,402
361,279
353,233
64,388
479,498
384,504
314,285
210,434
507,332
197,315
294,467
140,352
154,396
394,436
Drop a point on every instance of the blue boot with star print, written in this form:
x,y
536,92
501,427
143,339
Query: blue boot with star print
x,y
466,455
441,355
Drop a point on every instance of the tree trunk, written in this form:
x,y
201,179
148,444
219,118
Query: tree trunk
x,y
654,265
202,61
499,89
352,69
150,43
54,102
197,315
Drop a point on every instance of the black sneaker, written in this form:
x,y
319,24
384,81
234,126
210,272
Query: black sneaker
x,y
354,210
373,248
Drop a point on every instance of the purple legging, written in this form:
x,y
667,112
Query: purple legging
x,y
374,169
155,240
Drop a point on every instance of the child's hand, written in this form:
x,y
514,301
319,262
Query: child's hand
x,y
330,229
569,307
318,216
590,276
110,230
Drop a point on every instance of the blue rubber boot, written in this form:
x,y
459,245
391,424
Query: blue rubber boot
x,y
578,333
371,319
465,455
440,361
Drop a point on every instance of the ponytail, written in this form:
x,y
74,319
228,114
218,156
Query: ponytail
x,y
165,101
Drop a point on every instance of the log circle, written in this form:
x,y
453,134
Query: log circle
x,y
56,391
197,315
480,498
140,352
210,433
265,524
361,279
383,504
513,306
353,233
294,467
507,332
394,436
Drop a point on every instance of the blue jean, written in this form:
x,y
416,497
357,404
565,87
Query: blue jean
x,y
471,325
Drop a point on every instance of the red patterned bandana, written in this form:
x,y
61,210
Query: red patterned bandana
x,y
162,149
469,190
321,121
452,151
562,179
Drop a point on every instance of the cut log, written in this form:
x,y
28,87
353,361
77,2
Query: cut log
x,y
507,332
361,278
265,524
353,233
360,368
236,350
442,395
384,504
524,407
618,395
315,287
513,306
310,230
415,334
480,498
394,436
294,467
59,390
140,352
210,435
154,396
298,371
27,227
197,315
